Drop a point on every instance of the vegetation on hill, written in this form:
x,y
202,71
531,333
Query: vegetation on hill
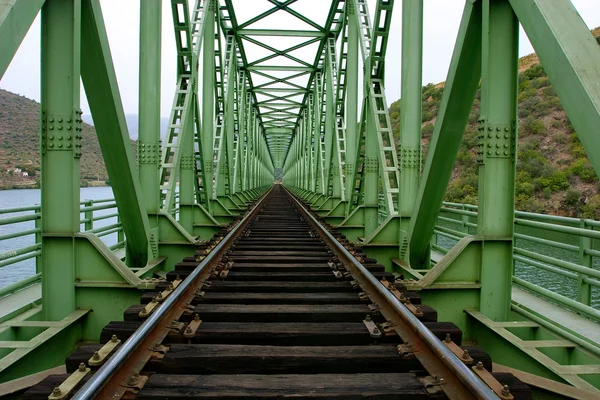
x,y
554,174
20,146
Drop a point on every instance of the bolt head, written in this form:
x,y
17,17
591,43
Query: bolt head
x,y
56,391
114,338
96,355
82,367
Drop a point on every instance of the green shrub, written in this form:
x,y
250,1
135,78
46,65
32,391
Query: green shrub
x,y
576,148
535,71
540,82
547,193
591,209
572,197
427,116
530,204
548,92
583,169
524,188
427,130
556,181
534,126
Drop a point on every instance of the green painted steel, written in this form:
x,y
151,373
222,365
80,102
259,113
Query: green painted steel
x,y
100,83
410,152
60,153
457,99
16,16
239,121
149,107
497,155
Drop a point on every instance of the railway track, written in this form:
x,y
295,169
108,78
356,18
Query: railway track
x,y
277,306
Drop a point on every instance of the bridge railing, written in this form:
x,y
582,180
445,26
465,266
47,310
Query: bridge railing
x,y
21,239
554,256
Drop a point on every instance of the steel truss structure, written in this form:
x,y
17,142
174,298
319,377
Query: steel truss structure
x,y
239,120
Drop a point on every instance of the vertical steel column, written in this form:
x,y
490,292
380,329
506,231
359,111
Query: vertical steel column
x,y
187,174
410,112
329,128
497,149
351,101
60,153
371,173
316,136
208,99
149,106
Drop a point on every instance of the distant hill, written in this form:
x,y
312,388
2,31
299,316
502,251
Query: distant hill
x,y
19,146
554,174
132,125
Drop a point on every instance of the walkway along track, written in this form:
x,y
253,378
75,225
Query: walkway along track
x,y
276,306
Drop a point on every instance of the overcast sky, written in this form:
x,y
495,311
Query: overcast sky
x,y
442,18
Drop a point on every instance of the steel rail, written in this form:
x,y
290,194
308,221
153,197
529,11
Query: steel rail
x,y
446,360
99,380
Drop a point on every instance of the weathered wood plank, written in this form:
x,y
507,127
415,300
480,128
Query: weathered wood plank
x,y
325,386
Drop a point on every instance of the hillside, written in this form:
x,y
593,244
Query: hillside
x,y
554,174
19,146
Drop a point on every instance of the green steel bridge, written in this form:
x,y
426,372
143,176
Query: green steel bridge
x,y
321,126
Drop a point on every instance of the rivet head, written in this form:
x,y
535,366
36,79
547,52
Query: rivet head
x,y
60,137
51,137
51,127
498,128
490,135
60,145
60,127
506,129
60,119
490,128
497,152
489,152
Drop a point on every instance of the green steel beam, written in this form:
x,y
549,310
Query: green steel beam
x,y
149,105
102,92
571,58
278,6
291,68
280,32
60,153
497,155
459,92
351,83
410,111
208,97
16,16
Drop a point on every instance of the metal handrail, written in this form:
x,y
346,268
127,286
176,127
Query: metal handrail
x,y
582,272
33,214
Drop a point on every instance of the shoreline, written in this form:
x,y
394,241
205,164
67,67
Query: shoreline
x,y
37,186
